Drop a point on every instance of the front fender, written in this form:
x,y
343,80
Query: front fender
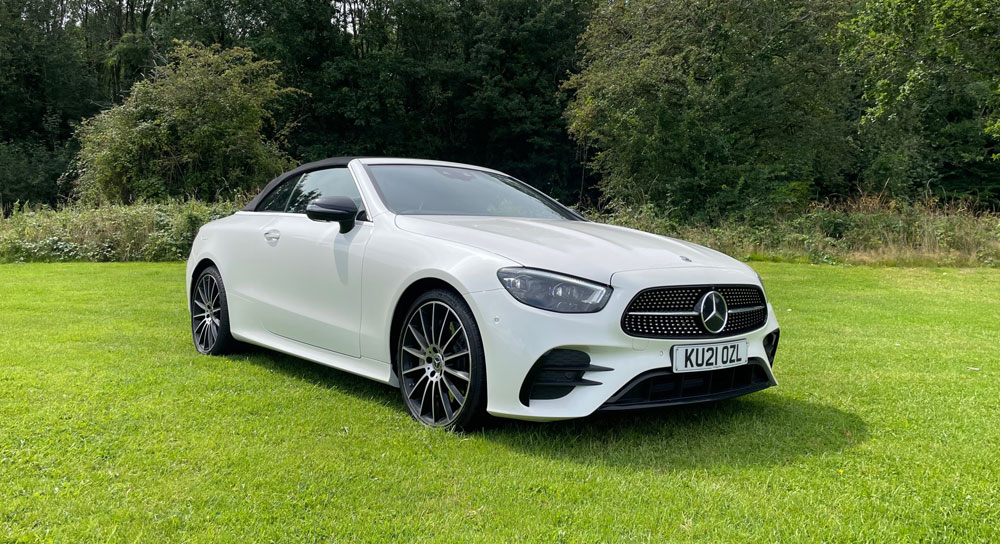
x,y
395,262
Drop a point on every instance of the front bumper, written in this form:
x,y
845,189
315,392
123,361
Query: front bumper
x,y
516,335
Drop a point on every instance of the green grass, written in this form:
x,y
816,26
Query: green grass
x,y
885,427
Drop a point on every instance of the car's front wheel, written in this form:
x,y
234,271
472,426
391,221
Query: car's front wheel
x,y
210,314
442,369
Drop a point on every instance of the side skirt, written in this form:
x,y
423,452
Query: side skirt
x,y
362,366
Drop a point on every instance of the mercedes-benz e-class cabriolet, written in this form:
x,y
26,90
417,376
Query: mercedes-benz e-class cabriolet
x,y
474,293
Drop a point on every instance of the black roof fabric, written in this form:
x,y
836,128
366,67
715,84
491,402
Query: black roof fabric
x,y
308,167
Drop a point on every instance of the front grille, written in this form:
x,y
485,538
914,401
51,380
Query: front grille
x,y
669,312
664,387
666,299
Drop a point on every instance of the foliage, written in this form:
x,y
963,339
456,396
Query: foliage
x,y
115,429
30,172
197,128
45,81
931,81
139,232
867,230
475,81
45,86
710,108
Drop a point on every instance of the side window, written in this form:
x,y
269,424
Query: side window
x,y
329,182
277,199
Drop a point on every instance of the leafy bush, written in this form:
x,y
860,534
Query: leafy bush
x,y
714,109
138,232
197,128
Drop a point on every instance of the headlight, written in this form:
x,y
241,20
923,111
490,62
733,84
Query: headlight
x,y
554,292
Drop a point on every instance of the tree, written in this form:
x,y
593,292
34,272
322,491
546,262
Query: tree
x,y
518,54
474,81
201,126
468,80
45,85
712,107
931,81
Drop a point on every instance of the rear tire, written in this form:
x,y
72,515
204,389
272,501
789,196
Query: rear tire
x,y
441,364
210,314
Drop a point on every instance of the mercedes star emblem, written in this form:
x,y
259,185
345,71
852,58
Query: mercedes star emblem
x,y
713,311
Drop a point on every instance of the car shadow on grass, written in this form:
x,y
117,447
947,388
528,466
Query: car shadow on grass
x,y
765,428
321,375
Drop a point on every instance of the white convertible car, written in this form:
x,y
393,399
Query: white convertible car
x,y
473,292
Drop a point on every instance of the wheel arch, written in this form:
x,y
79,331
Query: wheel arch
x,y
406,298
198,268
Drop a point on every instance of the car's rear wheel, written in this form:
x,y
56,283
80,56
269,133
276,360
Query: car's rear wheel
x,y
210,314
441,365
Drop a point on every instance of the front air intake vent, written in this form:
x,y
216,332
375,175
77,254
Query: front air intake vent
x,y
664,387
555,374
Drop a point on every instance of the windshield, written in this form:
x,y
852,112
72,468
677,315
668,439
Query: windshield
x,y
410,189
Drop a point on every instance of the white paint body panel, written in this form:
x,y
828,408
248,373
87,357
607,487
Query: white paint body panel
x,y
329,297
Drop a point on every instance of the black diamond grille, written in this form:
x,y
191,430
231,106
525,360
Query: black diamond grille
x,y
741,296
667,299
643,317
745,321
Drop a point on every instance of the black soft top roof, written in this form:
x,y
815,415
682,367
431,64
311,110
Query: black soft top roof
x,y
307,167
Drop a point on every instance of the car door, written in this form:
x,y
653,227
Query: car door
x,y
242,248
314,270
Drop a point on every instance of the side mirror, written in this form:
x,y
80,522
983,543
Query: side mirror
x,y
341,209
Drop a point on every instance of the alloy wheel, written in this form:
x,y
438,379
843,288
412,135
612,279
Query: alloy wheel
x,y
206,316
435,364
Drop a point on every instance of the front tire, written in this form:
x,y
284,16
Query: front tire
x,y
440,363
210,314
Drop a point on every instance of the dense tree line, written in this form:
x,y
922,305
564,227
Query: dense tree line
x,y
468,80
701,108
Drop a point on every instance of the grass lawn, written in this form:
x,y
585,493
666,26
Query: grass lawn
x,y
886,427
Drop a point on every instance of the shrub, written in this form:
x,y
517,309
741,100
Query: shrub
x,y
864,230
138,232
196,128
700,106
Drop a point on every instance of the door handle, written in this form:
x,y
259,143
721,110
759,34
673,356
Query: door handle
x,y
272,235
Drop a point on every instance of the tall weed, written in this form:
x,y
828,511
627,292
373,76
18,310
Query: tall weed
x,y
138,232
867,230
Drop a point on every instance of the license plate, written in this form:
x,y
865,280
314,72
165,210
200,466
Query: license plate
x,y
699,357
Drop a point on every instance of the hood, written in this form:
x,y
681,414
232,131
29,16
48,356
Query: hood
x,y
588,250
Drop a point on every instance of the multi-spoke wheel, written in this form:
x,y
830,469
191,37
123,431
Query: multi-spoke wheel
x,y
440,361
210,313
